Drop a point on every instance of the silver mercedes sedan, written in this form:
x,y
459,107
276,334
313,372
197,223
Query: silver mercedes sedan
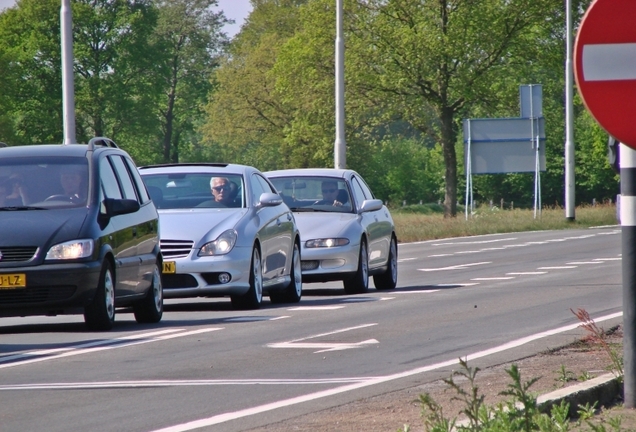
x,y
346,233
224,231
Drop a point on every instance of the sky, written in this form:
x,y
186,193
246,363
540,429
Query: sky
x,y
237,10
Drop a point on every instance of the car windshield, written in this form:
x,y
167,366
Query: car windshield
x,y
314,194
195,190
51,182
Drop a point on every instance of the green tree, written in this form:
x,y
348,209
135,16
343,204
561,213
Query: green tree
x,y
247,118
442,57
188,41
30,72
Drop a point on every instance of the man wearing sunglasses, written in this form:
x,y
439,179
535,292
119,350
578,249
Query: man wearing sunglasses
x,y
329,194
223,191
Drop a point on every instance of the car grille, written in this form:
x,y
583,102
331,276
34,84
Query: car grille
x,y
37,294
17,254
308,265
171,249
178,281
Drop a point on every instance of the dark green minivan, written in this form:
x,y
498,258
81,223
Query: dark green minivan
x,y
78,234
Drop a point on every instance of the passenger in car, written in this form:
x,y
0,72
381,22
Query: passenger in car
x,y
16,192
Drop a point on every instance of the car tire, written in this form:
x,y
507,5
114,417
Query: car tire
x,y
150,309
253,298
100,313
293,292
388,279
359,283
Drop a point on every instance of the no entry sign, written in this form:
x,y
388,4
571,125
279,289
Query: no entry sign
x,y
605,66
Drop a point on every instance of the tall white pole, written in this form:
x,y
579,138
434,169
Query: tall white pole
x,y
68,83
569,119
340,146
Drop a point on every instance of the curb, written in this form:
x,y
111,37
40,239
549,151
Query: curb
x,y
602,390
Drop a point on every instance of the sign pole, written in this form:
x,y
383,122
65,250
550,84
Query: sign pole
x,y
628,227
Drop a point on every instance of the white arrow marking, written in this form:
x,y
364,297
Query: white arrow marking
x,y
326,346
457,267
609,62
323,347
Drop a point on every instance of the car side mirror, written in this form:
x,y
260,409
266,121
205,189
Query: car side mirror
x,y
371,205
115,207
268,199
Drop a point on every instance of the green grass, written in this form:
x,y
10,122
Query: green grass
x,y
414,226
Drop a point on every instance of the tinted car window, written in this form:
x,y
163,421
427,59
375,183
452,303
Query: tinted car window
x,y
124,177
141,188
257,189
109,180
358,193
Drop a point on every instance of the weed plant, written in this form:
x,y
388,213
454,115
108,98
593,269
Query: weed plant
x,y
414,226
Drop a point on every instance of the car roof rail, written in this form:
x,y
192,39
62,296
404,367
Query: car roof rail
x,y
101,141
186,164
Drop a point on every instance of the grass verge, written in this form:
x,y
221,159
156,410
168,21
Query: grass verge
x,y
411,227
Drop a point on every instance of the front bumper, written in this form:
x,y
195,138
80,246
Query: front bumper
x,y
51,289
199,276
329,264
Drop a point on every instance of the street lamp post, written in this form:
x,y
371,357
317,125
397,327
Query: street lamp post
x,y
68,83
340,145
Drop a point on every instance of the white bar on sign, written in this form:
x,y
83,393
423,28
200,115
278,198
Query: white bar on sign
x,y
609,62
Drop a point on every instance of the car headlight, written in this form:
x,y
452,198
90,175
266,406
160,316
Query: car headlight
x,y
222,245
71,250
325,243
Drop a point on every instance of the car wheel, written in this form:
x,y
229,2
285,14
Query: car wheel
x,y
100,313
360,282
294,290
388,279
253,298
150,309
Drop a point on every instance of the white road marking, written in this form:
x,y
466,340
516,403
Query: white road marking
x,y
406,259
583,262
327,346
608,259
474,242
556,268
225,417
492,278
456,267
314,308
439,255
92,347
416,292
324,346
526,273
178,383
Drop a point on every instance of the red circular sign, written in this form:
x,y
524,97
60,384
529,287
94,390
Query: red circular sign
x,y
605,66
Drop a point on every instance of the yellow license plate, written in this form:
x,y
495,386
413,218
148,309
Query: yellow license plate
x,y
11,281
169,267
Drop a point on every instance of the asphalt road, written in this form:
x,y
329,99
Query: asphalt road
x,y
489,299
